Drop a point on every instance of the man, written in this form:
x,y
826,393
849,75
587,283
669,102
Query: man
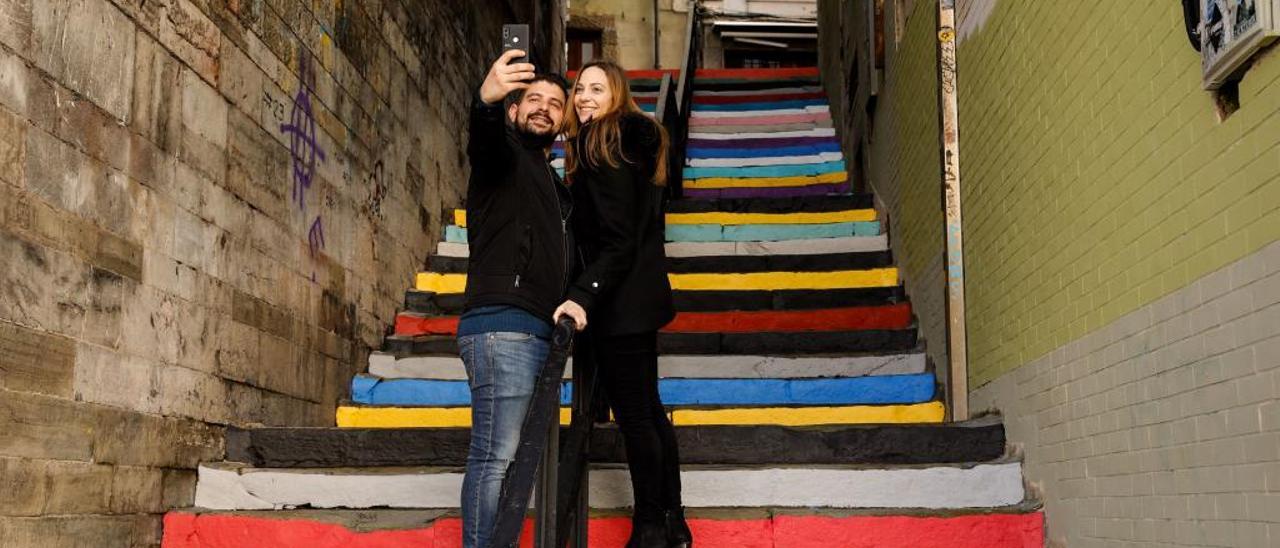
x,y
517,214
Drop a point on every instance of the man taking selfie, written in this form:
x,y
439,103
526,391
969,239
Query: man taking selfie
x,y
517,212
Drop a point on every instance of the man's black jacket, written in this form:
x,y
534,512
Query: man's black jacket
x,y
516,225
618,223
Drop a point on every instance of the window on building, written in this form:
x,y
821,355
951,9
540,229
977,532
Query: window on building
x,y
584,46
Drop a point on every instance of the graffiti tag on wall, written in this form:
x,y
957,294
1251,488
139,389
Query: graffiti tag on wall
x,y
305,151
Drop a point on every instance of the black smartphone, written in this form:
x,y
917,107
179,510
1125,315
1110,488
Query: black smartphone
x,y
516,37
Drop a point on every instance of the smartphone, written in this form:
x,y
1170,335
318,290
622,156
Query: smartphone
x,y
516,37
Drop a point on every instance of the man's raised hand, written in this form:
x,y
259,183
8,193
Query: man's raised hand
x,y
504,77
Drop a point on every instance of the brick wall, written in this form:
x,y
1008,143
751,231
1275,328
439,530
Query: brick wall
x,y
209,211
1163,427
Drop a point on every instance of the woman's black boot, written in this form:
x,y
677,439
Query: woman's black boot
x,y
678,533
647,534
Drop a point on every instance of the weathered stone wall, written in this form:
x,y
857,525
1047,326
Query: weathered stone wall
x,y
209,211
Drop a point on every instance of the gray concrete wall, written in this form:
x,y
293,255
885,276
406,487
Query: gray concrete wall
x,y
1163,427
170,259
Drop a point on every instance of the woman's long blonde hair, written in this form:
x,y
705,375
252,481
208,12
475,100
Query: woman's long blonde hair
x,y
604,144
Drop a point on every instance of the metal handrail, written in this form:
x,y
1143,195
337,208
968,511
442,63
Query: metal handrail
x,y
678,130
537,452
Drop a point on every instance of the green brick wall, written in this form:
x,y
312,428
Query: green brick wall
x,y
1097,175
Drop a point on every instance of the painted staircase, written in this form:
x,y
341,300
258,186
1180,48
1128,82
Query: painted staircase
x,y
806,412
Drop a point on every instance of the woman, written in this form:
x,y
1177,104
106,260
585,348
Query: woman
x,y
615,163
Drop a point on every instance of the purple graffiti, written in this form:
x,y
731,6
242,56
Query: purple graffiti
x,y
315,237
305,151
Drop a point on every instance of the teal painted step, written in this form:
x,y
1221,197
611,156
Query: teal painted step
x,y
797,170
768,233
879,390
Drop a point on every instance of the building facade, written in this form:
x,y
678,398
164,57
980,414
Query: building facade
x,y
1122,264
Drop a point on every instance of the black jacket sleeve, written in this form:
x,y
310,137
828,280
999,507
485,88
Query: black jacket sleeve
x,y
487,145
620,198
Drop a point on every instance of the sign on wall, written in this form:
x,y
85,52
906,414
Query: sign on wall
x,y
1230,32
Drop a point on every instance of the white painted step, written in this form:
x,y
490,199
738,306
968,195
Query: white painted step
x,y
814,246
765,91
820,158
232,486
388,366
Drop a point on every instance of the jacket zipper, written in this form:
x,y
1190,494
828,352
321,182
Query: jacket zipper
x,y
564,228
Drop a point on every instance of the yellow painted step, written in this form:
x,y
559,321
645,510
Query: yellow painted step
x,y
752,281
726,218
765,182
460,417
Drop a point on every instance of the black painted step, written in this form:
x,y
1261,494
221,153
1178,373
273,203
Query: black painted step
x,y
752,84
732,263
770,343
426,302
978,440
796,204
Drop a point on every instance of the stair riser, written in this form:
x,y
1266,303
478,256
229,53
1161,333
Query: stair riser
x,y
881,390
183,530
738,233
880,340
729,445
981,486
460,417
805,170
706,301
731,263
388,366
892,316
822,189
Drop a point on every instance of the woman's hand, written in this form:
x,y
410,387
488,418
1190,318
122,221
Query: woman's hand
x,y
572,310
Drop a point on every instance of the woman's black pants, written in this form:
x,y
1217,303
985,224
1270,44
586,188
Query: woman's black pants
x,y
627,366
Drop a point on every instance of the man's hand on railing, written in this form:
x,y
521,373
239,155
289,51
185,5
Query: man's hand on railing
x,y
573,311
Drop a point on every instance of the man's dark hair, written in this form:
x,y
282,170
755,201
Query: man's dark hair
x,y
549,77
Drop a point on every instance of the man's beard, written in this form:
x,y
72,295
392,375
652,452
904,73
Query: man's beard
x,y
530,132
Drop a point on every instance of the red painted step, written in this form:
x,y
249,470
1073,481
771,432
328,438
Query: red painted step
x,y
1018,530
763,97
896,316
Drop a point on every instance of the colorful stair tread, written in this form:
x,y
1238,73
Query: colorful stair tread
x,y
781,187
763,103
711,134
810,119
357,416
1011,527
738,281
764,151
822,204
449,367
745,218
877,390
785,88
761,142
977,440
230,486
750,110
803,170
747,161
767,192
784,95
817,246
731,262
737,131
772,232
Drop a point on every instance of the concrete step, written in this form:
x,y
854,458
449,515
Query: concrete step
x,y
746,343
1020,526
428,302
233,486
449,366
719,281
877,390
366,416
977,440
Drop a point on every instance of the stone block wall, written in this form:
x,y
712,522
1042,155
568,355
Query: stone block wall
x,y
209,212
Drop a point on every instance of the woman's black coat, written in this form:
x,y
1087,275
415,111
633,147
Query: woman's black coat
x,y
618,224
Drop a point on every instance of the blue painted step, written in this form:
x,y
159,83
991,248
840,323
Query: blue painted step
x,y
887,389
798,170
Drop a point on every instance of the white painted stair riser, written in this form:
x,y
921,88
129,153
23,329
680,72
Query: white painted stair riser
x,y
226,487
388,366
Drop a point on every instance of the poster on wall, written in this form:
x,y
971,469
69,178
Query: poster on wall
x,y
1230,32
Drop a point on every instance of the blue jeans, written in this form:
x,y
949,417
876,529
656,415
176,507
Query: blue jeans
x,y
502,368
